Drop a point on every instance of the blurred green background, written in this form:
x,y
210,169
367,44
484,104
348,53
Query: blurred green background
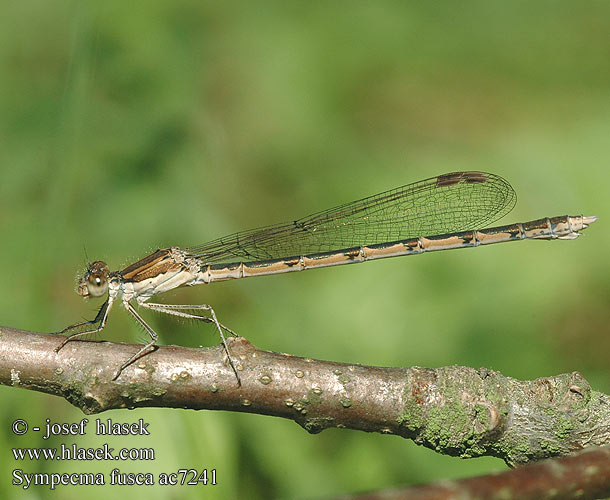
x,y
127,127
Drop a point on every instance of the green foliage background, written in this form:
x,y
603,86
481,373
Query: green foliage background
x,y
130,126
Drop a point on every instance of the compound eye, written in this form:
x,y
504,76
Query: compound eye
x,y
95,281
97,284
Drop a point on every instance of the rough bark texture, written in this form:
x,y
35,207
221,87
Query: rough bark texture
x,y
454,410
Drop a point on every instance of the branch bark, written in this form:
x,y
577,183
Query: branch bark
x,y
454,410
584,476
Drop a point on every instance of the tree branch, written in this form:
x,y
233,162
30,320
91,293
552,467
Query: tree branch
x,y
454,410
584,476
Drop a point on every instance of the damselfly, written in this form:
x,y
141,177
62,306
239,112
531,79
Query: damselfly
x,y
439,213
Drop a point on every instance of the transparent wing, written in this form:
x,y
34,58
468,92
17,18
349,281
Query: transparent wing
x,y
452,202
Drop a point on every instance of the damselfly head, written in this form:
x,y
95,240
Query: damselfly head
x,y
95,280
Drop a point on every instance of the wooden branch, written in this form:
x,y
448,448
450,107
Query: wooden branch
x,y
454,410
584,476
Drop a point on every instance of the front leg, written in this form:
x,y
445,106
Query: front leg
x,y
101,317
